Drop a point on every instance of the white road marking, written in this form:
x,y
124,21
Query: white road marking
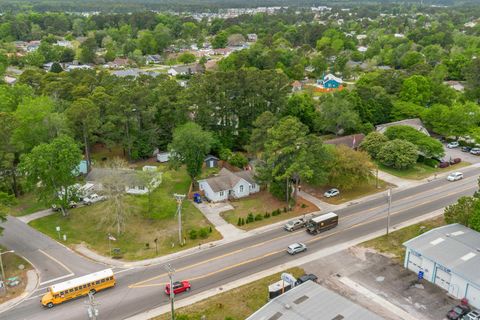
x,y
56,279
57,261
123,270
34,297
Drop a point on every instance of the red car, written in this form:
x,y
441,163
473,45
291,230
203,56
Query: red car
x,y
178,287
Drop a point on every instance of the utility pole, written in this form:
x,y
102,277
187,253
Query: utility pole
x,y
389,194
171,271
92,309
179,198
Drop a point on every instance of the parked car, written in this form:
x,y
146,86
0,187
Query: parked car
x,y
466,149
472,315
178,287
71,205
475,151
455,161
453,144
305,278
454,176
443,164
331,193
458,312
93,198
296,248
295,224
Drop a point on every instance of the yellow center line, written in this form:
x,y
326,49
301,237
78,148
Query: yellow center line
x,y
318,238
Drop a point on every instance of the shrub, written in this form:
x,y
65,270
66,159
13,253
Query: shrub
x,y
250,217
372,143
266,215
192,234
210,229
239,223
204,233
243,221
431,162
399,154
303,205
258,217
284,210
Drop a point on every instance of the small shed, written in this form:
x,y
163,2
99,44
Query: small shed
x,y
163,156
211,161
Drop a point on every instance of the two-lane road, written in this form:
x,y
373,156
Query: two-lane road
x,y
141,289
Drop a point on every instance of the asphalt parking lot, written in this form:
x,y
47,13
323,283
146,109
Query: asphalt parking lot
x,y
385,278
457,153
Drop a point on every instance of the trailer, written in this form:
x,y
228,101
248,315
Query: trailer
x,y
322,223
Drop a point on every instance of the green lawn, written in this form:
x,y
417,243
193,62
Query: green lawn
x,y
263,202
11,263
420,171
27,204
90,224
392,244
236,304
357,192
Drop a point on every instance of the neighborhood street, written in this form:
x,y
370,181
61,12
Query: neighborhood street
x,y
141,289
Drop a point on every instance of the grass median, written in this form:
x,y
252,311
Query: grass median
x,y
88,225
236,304
14,266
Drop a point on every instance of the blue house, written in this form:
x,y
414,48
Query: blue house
x,y
330,82
82,168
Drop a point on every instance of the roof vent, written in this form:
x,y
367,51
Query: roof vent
x,y
301,299
338,317
287,306
276,316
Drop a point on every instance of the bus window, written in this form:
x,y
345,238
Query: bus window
x,y
71,290
56,296
97,282
102,281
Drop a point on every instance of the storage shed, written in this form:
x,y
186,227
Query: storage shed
x,y
449,257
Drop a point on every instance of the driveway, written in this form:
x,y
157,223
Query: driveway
x,y
457,153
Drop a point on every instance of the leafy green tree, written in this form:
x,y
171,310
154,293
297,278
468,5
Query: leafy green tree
x,y
373,143
349,168
458,120
8,153
87,50
338,116
291,155
473,80
302,107
259,133
426,145
462,211
411,58
35,59
399,154
6,201
56,68
417,89
220,40
84,119
186,57
147,42
49,168
189,146
405,110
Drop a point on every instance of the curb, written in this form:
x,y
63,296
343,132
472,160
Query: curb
x,y
33,280
147,315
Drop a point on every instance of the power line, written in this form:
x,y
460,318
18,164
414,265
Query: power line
x,y
171,271
92,307
179,198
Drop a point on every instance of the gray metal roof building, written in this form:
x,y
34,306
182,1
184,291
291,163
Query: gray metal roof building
x,y
311,301
448,256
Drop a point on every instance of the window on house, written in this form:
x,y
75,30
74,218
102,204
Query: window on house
x,y
241,188
221,193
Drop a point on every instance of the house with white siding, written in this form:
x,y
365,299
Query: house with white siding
x,y
448,257
228,184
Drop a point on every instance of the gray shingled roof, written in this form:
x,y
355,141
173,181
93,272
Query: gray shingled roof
x,y
415,123
454,246
226,180
311,301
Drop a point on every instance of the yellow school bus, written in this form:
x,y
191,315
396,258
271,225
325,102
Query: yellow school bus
x,y
77,287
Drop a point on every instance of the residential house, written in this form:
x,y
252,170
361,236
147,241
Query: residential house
x,y
228,184
414,123
163,156
135,72
456,85
153,59
33,46
448,257
10,80
64,43
187,69
296,86
120,63
362,49
133,180
351,141
252,37
361,37
211,161
329,83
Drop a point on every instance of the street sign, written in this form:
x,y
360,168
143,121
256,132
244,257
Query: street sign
x,y
288,278
420,275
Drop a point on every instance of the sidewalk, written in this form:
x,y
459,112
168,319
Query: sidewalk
x,y
32,283
37,215
212,212
262,274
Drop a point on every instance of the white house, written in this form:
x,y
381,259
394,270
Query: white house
x,y
229,184
163,156
135,182
449,257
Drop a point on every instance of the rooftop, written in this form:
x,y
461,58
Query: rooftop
x,y
312,301
454,246
226,179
